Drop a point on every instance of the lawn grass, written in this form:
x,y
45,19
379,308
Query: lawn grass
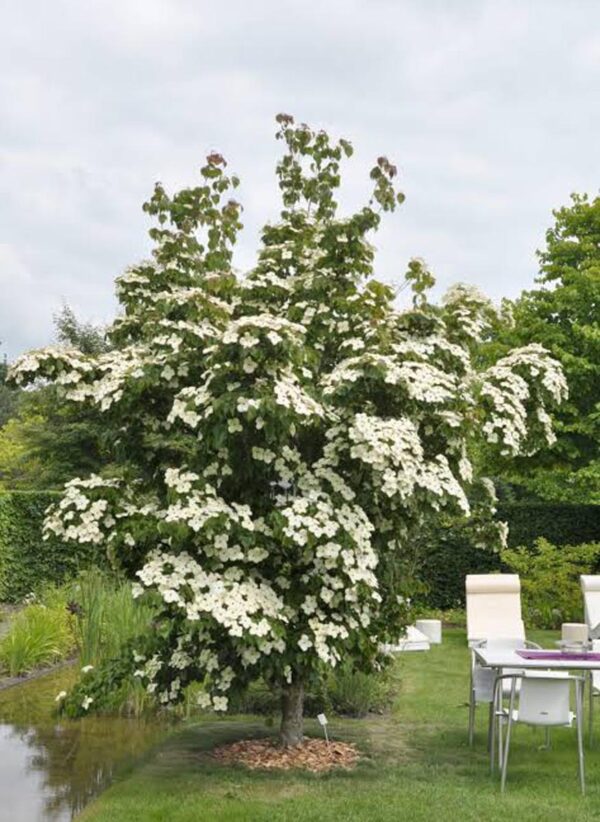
x,y
418,766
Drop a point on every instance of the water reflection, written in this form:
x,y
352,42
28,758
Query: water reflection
x,y
50,769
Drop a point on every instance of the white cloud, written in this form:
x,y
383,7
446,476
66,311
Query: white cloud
x,y
490,110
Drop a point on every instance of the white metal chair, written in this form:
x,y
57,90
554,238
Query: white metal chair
x,y
544,701
493,615
590,588
493,606
484,691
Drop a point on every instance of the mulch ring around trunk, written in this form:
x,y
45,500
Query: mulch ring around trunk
x,y
315,755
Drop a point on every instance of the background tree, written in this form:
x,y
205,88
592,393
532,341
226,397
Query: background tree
x,y
87,337
46,441
563,314
278,440
9,396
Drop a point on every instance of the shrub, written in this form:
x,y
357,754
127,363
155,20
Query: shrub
x,y
106,615
550,580
27,562
449,552
116,691
452,617
356,693
38,636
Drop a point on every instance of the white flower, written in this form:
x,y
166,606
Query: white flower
x,y
203,700
220,703
60,696
87,668
87,702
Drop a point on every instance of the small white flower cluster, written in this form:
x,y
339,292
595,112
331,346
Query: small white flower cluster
x,y
116,368
64,365
289,394
422,381
433,349
465,293
339,570
393,448
510,385
247,330
79,517
198,508
468,307
186,402
248,607
179,480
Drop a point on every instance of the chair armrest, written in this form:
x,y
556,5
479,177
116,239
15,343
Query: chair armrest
x,y
499,679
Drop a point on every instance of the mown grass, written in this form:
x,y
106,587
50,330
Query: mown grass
x,y
417,766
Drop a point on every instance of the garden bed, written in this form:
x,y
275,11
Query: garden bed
x,y
315,755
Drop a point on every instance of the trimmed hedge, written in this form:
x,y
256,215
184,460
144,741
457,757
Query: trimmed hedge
x,y
559,524
452,556
26,561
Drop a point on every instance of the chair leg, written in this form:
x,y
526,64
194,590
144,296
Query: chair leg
x,y
471,717
492,735
579,708
505,756
499,720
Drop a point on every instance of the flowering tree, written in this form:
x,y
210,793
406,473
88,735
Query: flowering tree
x,y
278,438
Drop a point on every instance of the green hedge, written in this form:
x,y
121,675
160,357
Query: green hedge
x,y
26,561
451,555
559,524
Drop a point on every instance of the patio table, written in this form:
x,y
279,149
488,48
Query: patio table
x,y
527,659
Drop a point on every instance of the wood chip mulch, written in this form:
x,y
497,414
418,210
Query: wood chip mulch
x,y
313,755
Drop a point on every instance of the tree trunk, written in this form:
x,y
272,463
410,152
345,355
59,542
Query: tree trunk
x,y
292,709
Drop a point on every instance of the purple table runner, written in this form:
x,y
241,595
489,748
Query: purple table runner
x,y
590,656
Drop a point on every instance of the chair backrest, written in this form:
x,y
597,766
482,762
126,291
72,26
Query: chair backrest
x,y
494,606
544,699
590,587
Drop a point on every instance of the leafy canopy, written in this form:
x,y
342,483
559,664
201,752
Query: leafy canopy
x,y
563,314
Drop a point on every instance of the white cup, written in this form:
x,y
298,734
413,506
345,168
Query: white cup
x,y
574,632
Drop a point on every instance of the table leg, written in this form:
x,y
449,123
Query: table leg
x,y
590,679
495,724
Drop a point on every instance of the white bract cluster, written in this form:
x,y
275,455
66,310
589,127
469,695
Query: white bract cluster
x,y
279,438
519,388
83,514
394,450
245,607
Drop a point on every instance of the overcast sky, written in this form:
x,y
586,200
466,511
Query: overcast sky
x,y
491,111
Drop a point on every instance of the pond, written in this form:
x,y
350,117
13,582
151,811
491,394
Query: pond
x,y
51,768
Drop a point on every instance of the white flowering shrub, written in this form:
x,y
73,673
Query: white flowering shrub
x,y
278,437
